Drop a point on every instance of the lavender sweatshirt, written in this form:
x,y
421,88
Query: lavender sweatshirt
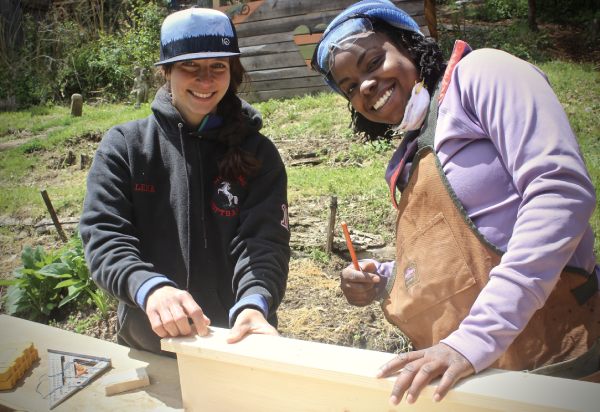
x,y
505,144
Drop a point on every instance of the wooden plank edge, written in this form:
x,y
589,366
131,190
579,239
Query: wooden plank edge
x,y
492,389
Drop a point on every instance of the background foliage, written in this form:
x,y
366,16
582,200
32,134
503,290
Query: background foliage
x,y
92,46
80,50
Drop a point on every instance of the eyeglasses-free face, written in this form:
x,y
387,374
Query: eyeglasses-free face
x,y
375,76
197,87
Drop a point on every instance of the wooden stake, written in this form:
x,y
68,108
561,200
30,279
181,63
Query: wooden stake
x,y
57,225
331,228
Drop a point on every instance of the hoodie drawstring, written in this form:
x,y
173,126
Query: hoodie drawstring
x,y
189,231
202,200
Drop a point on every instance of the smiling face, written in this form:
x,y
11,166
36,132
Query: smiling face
x,y
197,86
376,77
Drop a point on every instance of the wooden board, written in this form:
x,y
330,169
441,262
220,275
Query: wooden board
x,y
267,373
283,73
264,49
265,39
299,82
273,61
28,395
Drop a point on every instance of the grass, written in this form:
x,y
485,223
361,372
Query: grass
x,y
350,170
51,128
578,87
302,117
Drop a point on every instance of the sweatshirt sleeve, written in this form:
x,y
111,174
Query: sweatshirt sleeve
x,y
514,105
261,247
106,225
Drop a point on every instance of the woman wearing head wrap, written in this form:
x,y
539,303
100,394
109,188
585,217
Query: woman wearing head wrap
x,y
495,264
185,216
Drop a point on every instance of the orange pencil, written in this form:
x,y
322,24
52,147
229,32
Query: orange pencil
x,y
350,246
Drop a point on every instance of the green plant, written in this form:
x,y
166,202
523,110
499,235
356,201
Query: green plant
x,y
48,281
68,51
32,293
77,279
514,38
361,153
318,255
494,10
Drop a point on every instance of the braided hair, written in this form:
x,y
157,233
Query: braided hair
x,y
427,57
236,161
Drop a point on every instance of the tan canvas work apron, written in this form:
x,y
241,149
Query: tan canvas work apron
x,y
442,264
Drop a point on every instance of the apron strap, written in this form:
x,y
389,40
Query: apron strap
x,y
425,138
586,290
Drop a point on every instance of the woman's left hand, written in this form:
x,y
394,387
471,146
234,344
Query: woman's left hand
x,y
250,321
418,368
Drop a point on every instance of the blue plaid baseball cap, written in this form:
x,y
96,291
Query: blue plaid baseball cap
x,y
197,33
350,24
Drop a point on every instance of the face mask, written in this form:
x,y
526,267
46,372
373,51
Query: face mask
x,y
416,109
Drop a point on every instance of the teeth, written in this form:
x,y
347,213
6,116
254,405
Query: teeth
x,y
202,95
383,99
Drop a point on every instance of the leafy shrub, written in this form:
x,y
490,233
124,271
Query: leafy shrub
x,y
61,55
33,292
494,10
105,67
48,281
514,38
568,11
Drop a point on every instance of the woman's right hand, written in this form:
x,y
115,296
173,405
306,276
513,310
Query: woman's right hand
x,y
360,286
169,310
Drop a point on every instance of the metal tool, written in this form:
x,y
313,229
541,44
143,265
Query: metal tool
x,y
69,372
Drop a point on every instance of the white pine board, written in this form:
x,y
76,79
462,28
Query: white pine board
x,y
271,373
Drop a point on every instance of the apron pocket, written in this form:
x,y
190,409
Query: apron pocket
x,y
431,270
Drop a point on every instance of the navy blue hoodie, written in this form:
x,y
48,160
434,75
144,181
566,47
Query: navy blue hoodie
x,y
156,205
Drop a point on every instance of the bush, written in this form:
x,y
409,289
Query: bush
x,y
514,38
494,10
61,56
49,281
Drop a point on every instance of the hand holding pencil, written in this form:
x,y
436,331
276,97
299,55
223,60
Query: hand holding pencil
x,y
359,280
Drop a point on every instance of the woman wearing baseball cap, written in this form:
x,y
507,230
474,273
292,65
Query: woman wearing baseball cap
x,y
495,264
185,216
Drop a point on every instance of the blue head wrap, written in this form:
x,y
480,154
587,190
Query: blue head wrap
x,y
354,20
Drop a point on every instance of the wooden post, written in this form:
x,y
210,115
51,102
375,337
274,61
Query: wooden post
x,y
270,373
430,18
50,208
76,105
84,160
331,228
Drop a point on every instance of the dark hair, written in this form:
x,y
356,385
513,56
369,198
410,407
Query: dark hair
x,y
427,57
236,162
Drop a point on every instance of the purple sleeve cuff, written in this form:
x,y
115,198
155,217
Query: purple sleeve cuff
x,y
149,285
255,301
385,271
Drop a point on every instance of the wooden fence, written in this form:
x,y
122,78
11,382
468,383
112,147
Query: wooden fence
x,y
276,64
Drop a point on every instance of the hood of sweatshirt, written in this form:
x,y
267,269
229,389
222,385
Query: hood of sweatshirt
x,y
169,117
